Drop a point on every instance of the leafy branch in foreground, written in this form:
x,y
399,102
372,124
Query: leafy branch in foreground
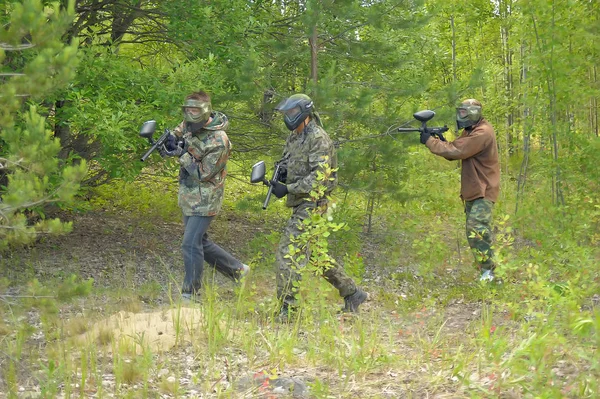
x,y
30,173
313,242
34,179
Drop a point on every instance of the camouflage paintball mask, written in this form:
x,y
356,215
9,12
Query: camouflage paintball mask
x,y
468,113
196,111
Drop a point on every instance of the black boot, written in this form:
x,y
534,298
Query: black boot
x,y
287,313
352,302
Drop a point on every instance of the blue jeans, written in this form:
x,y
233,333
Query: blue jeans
x,y
197,248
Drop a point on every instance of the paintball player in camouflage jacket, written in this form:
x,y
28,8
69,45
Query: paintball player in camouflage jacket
x,y
307,149
203,148
480,178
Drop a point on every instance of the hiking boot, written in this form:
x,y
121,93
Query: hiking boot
x,y
284,315
352,302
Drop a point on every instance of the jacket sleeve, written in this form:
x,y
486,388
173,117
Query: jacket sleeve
x,y
463,147
204,160
320,153
178,131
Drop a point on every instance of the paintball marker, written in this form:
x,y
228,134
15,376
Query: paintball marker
x,y
423,117
147,131
258,175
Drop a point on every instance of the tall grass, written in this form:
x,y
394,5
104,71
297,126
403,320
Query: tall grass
x,y
431,328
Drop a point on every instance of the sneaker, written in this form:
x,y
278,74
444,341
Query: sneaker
x,y
488,276
239,274
352,302
188,297
244,271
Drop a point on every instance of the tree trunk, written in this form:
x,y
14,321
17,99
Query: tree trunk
x,y
508,84
594,102
522,179
557,192
313,54
453,47
370,209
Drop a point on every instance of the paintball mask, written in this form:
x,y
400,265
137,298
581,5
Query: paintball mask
x,y
468,114
295,109
196,111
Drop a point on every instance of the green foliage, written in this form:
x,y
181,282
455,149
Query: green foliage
x,y
110,98
316,231
46,63
28,151
532,64
154,198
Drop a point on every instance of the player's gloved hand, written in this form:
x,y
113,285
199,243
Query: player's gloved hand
x,y
171,143
279,189
178,150
282,174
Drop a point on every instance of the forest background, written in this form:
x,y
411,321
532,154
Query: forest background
x,y
86,229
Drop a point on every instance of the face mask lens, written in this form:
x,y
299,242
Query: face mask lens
x,y
292,113
462,113
192,111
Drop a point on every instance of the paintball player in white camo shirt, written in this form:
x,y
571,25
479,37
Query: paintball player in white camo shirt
x,y
203,148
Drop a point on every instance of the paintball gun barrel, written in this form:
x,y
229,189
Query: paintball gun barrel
x,y
147,131
423,117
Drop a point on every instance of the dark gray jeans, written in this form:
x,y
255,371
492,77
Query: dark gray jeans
x,y
197,248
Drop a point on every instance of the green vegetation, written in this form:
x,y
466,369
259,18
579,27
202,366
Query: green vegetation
x,y
30,173
83,314
430,328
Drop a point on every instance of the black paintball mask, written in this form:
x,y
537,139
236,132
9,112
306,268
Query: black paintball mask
x,y
196,113
295,109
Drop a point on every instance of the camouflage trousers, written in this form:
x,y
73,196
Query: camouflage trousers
x,y
288,272
479,231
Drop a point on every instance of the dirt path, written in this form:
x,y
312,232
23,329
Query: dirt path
x,y
136,256
113,249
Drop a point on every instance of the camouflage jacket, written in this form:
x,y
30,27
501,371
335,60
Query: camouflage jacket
x,y
304,154
204,167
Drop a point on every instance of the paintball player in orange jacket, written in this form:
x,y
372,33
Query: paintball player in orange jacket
x,y
480,177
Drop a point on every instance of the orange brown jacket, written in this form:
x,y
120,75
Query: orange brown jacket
x,y
480,171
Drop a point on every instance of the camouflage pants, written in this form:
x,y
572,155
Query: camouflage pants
x,y
479,231
288,273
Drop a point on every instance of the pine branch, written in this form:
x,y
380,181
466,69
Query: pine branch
x,y
6,163
51,197
8,47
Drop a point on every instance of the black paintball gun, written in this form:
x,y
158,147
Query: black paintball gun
x,y
258,175
147,131
423,117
